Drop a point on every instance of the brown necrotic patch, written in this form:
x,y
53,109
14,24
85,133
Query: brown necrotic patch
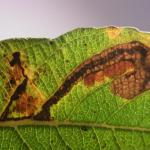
x,y
17,77
127,64
111,71
22,101
26,105
130,85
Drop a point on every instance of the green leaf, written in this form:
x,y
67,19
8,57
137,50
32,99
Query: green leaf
x,y
85,117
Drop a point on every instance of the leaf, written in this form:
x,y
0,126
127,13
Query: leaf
x,y
87,116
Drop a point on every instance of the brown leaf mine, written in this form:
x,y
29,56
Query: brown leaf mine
x,y
127,64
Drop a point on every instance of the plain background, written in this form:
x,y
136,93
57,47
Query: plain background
x,y
51,18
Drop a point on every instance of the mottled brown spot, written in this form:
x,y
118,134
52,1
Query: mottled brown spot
x,y
117,68
89,80
130,85
18,81
99,76
26,104
16,72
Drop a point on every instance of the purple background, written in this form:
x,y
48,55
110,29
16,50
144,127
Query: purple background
x,y
50,18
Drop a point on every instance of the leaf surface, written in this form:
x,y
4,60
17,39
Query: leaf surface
x,y
86,117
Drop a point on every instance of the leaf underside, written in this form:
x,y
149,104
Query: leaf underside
x,y
87,116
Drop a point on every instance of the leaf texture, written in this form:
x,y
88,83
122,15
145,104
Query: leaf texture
x,y
87,117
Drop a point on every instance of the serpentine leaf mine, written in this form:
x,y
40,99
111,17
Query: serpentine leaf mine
x,y
127,65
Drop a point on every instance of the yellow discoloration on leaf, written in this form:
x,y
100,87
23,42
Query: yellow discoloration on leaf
x,y
113,32
30,73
